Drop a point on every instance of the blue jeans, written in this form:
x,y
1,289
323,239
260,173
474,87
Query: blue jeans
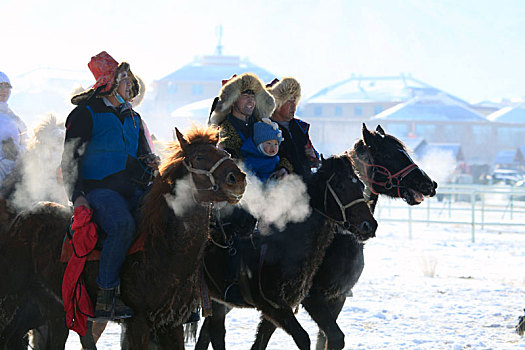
x,y
114,214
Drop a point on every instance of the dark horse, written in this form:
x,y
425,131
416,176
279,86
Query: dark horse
x,y
160,282
385,167
277,268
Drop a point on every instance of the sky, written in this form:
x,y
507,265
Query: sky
x,y
471,49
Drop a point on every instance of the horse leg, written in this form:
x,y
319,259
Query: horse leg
x,y
135,333
57,333
265,330
284,318
98,329
169,338
325,313
213,329
88,341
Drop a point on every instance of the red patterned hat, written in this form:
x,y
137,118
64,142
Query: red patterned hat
x,y
103,67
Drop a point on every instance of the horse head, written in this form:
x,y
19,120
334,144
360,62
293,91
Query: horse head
x,y
339,197
385,167
214,175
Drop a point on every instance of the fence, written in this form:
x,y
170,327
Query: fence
x,y
479,206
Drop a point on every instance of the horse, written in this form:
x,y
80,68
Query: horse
x,y
384,166
33,178
159,282
277,267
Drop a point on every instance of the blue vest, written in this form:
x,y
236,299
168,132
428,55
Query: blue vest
x,y
257,162
110,145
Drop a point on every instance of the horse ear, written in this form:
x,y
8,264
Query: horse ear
x,y
183,143
368,137
380,130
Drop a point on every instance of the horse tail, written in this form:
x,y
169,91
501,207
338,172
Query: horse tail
x,y
190,331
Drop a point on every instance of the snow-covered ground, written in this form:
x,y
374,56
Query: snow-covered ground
x,y
436,291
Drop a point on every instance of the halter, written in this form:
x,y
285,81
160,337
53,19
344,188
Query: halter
x,y
342,207
208,173
392,180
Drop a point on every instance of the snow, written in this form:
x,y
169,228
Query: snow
x,y
436,291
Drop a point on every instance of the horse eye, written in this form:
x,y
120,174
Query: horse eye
x,y
354,180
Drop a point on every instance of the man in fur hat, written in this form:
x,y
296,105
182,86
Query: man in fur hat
x,y
297,153
107,165
242,101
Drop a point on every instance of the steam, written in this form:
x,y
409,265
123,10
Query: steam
x,y
182,198
438,164
279,202
39,167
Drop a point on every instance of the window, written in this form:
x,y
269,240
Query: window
x,y
338,111
197,89
378,109
358,110
318,110
172,88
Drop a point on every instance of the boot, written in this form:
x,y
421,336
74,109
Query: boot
x,y
110,307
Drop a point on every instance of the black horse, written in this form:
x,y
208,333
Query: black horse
x,y
277,268
385,167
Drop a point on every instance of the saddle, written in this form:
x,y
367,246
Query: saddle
x,y
94,255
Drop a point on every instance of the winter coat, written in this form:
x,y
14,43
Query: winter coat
x,y
103,149
12,139
257,162
292,149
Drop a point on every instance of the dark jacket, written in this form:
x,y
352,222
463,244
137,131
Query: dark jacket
x,y
292,149
124,178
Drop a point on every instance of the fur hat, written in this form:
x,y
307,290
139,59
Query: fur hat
x,y
4,80
107,73
284,90
230,92
265,131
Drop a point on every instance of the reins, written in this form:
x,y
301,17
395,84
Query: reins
x,y
392,180
342,207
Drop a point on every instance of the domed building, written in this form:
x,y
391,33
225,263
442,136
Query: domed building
x,y
199,80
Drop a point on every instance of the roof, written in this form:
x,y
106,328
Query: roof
x,y
510,156
199,110
413,143
373,89
216,68
431,108
514,114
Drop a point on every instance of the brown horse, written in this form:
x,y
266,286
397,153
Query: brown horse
x,y
160,282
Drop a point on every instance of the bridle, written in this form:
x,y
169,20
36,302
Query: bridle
x,y
392,180
209,173
328,188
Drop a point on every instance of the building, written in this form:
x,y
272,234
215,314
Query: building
x,y
199,80
338,111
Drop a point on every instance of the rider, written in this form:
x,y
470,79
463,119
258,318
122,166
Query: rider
x,y
107,165
242,101
12,131
297,153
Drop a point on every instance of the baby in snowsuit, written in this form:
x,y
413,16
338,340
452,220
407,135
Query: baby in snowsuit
x,y
260,151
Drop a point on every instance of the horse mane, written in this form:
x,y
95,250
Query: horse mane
x,y
46,130
155,210
360,151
